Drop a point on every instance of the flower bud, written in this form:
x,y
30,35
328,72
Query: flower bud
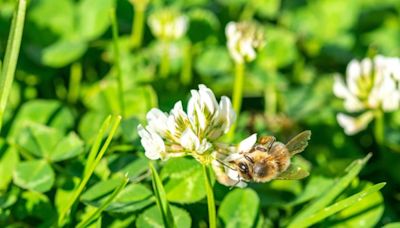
x,y
168,24
244,39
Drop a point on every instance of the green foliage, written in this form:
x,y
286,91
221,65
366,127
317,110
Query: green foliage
x,y
49,143
36,175
185,181
239,208
152,218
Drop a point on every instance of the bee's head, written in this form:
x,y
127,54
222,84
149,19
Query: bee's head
x,y
245,169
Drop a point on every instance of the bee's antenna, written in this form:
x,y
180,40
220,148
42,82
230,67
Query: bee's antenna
x,y
224,164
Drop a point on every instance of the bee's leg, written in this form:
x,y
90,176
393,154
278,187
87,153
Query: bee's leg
x,y
269,146
249,159
237,182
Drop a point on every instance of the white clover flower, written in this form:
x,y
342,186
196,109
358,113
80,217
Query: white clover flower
x,y
371,85
244,39
168,24
179,133
353,125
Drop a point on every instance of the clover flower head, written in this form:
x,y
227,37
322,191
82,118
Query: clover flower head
x,y
372,84
193,133
244,39
168,24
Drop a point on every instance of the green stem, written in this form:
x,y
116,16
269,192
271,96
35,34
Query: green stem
x,y
237,95
117,61
92,162
164,64
379,127
11,56
270,97
74,82
186,74
212,215
161,198
248,11
138,23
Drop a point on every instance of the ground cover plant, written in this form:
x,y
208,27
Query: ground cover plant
x,y
139,113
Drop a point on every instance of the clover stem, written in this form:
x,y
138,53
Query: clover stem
x,y
212,218
270,97
117,62
74,82
138,23
186,74
237,95
164,64
379,127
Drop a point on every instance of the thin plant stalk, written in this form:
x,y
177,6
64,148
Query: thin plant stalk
x,y
271,97
117,62
165,61
337,207
93,160
161,198
139,8
379,127
11,56
100,209
212,215
74,82
237,95
186,74
248,11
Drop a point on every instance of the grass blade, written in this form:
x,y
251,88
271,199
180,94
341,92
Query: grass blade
x,y
93,161
117,61
341,205
96,214
161,198
11,56
332,192
212,218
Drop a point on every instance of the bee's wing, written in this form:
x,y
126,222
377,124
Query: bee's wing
x,y
294,172
298,143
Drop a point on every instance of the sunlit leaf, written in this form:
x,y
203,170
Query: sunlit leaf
x,y
239,208
185,180
63,52
93,17
36,175
49,112
49,143
151,218
9,159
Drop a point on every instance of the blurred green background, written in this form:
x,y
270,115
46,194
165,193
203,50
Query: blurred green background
x,y
67,80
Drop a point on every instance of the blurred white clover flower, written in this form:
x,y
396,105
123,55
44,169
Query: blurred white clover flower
x,y
372,84
193,133
168,24
244,39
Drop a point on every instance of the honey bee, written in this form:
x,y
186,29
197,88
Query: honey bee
x,y
267,160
